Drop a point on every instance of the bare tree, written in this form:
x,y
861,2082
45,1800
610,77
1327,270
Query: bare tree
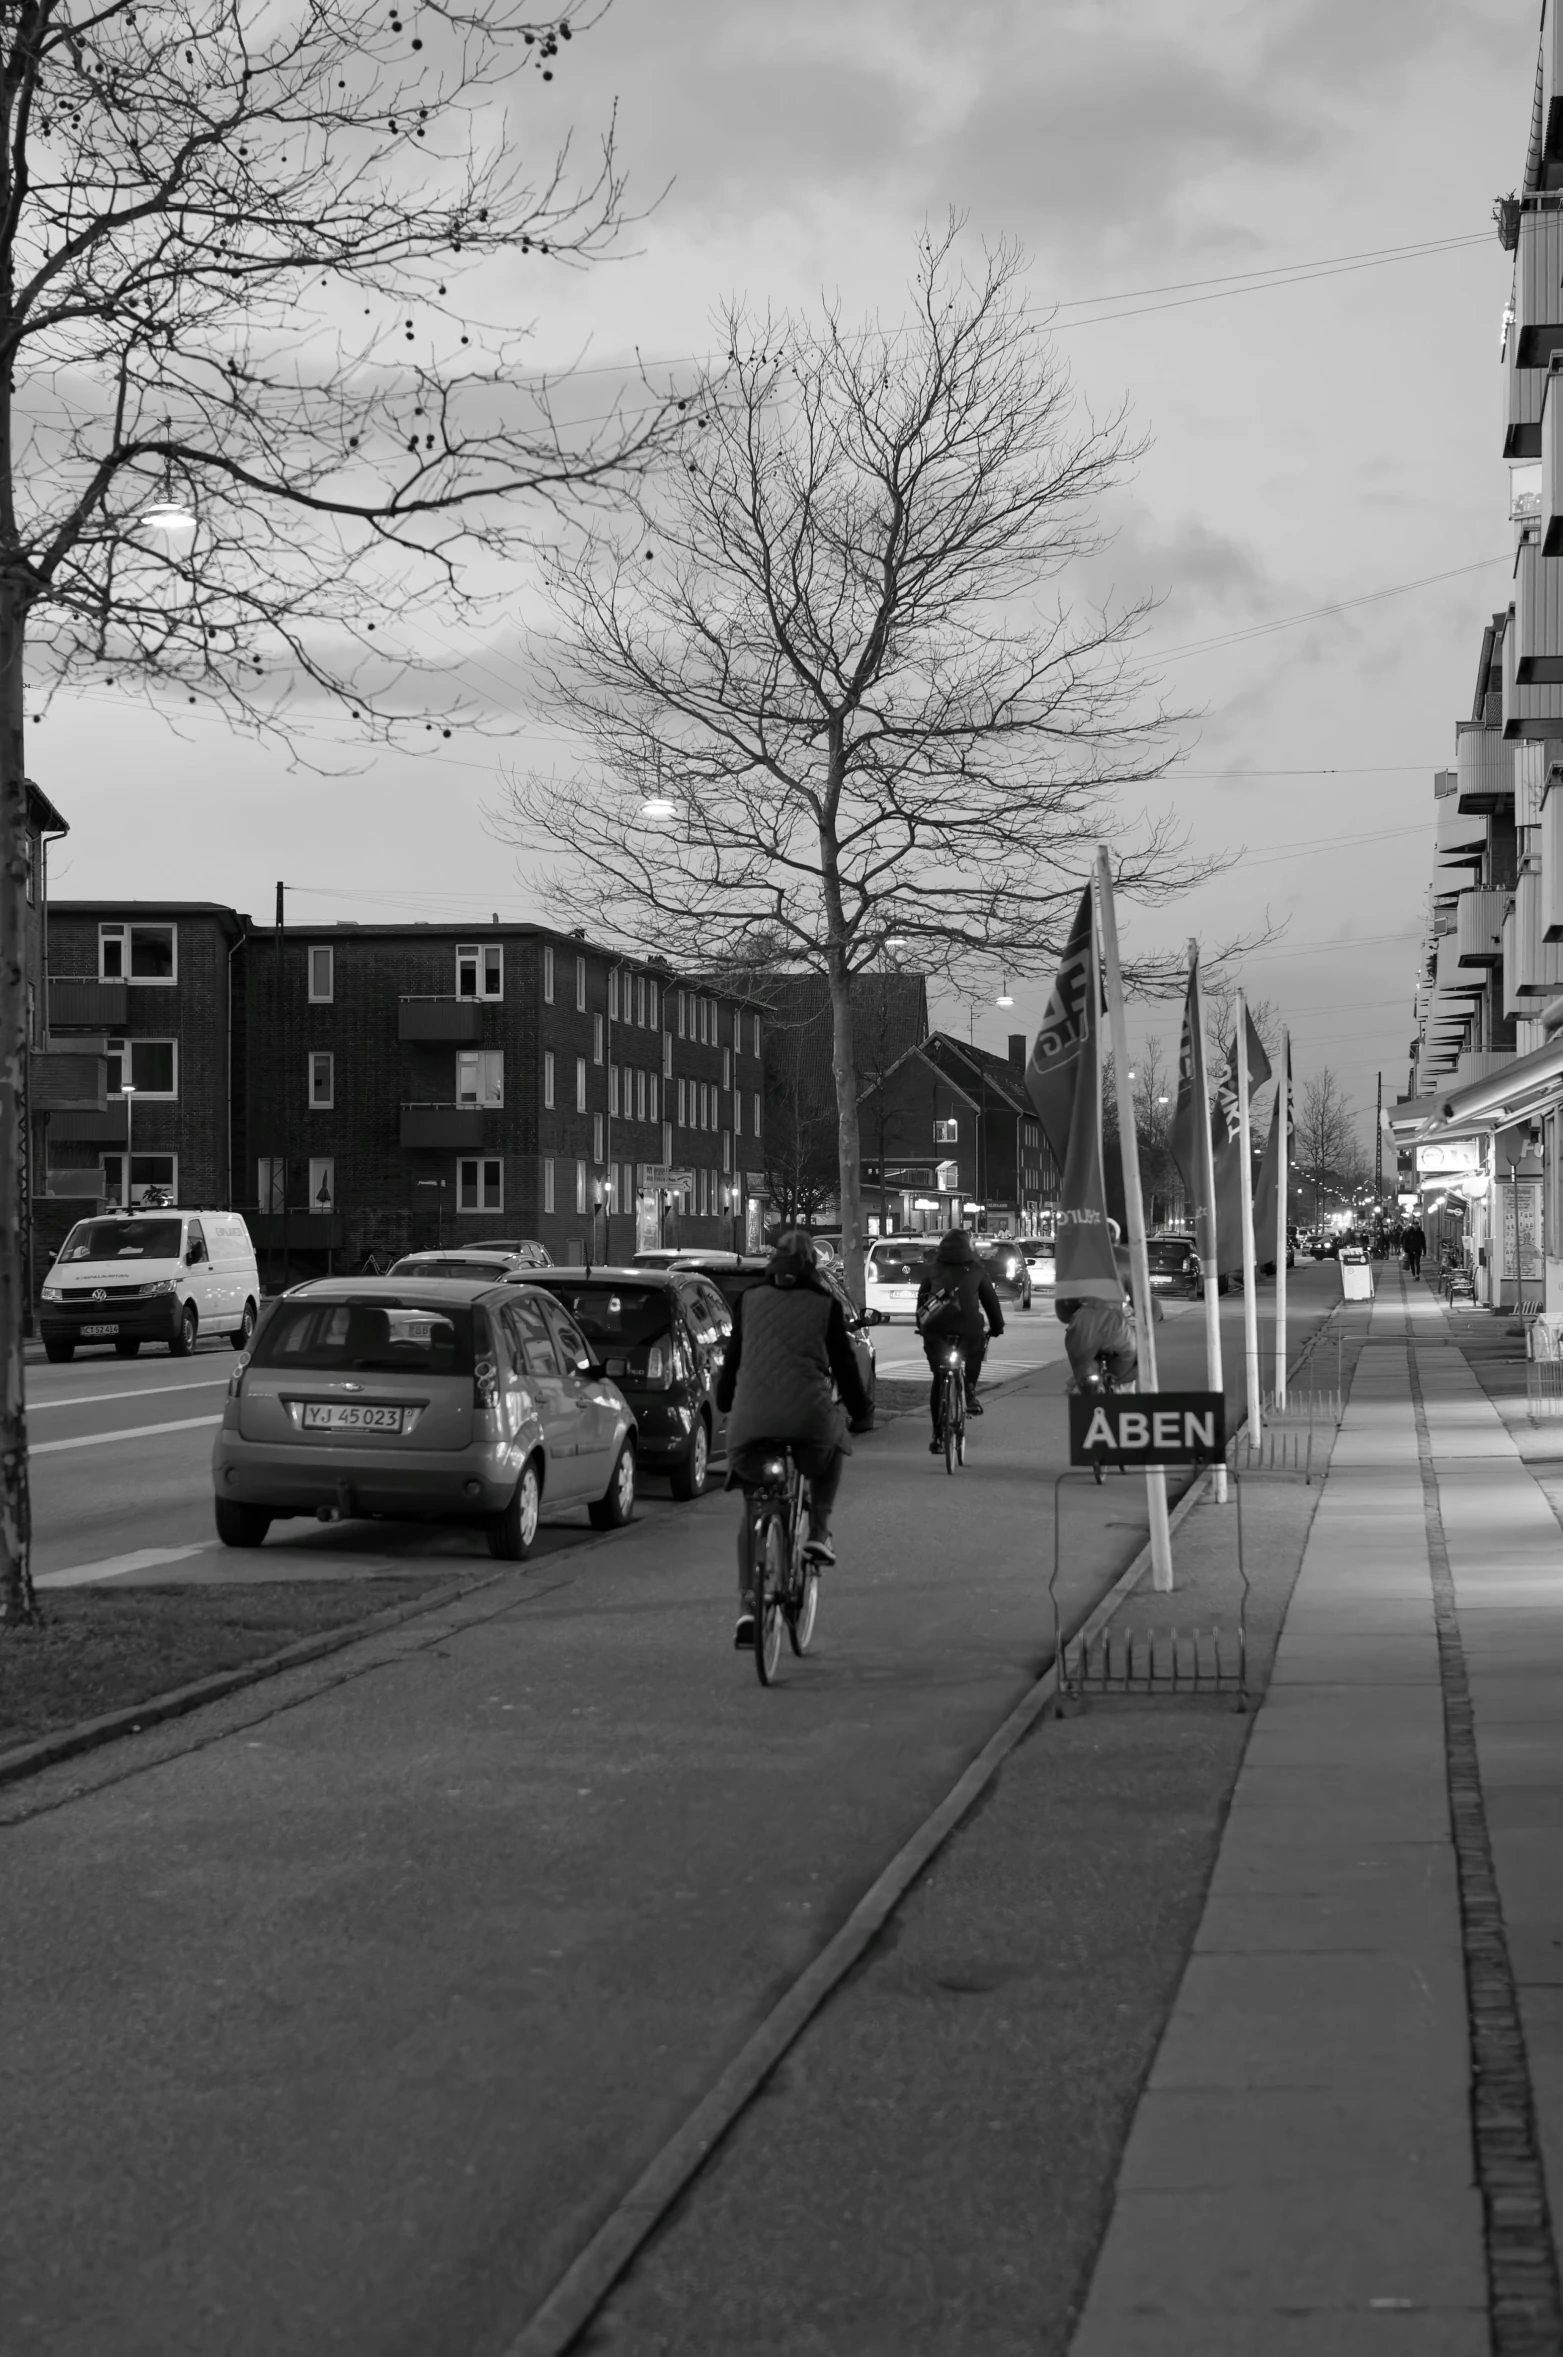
x,y
1328,1153
828,698
800,1125
245,421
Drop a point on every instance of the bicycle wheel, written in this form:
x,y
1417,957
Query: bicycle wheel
x,y
805,1611
960,1424
950,1440
770,1581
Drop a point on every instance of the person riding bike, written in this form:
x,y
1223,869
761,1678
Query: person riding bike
x,y
1102,1334
788,1349
956,1299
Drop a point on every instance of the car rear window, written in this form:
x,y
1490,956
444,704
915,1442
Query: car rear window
x,y
1167,1254
492,1268
376,1337
626,1314
898,1264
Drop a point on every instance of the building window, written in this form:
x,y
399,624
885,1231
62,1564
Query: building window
x,y
651,1096
480,970
480,1183
596,1039
640,1093
738,1113
667,1145
322,1079
947,1133
548,1185
153,1067
757,1035
580,1084
270,1174
613,994
613,1088
640,1001
683,1104
160,1171
322,1184
548,977
322,978
682,997
597,1140
480,1077
727,1067
727,1149
667,1055
580,1186
754,1129
138,953
651,1005
548,1076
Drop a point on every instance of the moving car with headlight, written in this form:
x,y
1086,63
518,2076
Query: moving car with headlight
x,y
1005,1264
427,1399
661,1334
128,1277
892,1271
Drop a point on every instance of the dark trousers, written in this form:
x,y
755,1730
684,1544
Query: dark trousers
x,y
821,1465
1414,1259
975,1350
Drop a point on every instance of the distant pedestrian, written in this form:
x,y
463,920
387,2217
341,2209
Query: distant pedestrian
x,y
1413,1243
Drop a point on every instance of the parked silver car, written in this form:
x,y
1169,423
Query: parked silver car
x,y
433,1399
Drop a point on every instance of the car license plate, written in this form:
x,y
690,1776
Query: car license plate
x,y
333,1416
95,1331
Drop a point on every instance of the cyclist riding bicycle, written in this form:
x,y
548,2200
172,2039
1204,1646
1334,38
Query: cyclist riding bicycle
x,y
956,1299
1102,1334
788,1358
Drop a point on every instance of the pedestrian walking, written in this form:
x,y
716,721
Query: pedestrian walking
x,y
1413,1243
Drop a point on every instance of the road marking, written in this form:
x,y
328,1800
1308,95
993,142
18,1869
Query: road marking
x,y
93,1399
98,1440
115,1566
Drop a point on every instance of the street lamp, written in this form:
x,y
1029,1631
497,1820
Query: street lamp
x,y
127,1089
173,524
1004,998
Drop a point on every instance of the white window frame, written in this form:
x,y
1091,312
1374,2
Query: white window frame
x,y
651,1006
667,1055
755,1131
683,1102
640,1092
683,1013
315,1102
548,1182
727,1149
597,1140
738,1113
613,994
580,985
580,1084
548,975
317,997
613,1088
548,1079
651,1096
597,1039
488,1184
486,962
727,1067
123,934
322,1167
580,1186
485,1068
123,1050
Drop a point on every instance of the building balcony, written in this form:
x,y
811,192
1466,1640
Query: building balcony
x,y
1461,836
101,1126
79,1003
1532,965
442,1129
453,1022
1484,768
1481,1063
65,1082
298,1230
1533,685
1479,928
1537,328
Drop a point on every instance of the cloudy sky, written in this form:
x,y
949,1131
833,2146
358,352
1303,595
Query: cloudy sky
x,y
1314,440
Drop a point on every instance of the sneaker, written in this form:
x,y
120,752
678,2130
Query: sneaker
x,y
743,1635
936,1448
973,1404
821,1551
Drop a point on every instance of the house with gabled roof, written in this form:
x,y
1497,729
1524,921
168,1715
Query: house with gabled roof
x,y
950,1138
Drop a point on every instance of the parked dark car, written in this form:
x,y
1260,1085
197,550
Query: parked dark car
x,y
660,1334
490,1263
1174,1264
736,1281
438,1400
1004,1262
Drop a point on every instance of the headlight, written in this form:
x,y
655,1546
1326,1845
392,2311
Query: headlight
x,y
52,1293
161,1285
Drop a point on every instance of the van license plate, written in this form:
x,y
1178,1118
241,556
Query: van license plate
x,y
323,1416
95,1333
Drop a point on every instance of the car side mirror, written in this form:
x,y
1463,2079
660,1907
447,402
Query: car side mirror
x,y
587,1367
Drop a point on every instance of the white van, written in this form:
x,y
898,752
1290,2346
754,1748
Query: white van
x,y
129,1277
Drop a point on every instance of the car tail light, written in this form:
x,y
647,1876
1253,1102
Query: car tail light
x,y
485,1372
655,1370
236,1379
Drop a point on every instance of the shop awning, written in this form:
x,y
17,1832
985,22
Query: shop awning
x,y
1524,1087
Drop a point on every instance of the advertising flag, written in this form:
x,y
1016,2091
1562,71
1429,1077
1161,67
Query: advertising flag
x,y
1064,1080
1227,1146
1266,1204
1192,1108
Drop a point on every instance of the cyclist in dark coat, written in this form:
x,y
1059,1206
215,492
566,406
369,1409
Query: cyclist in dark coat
x,y
956,1298
787,1360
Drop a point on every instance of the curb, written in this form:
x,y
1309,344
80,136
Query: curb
x,y
89,1734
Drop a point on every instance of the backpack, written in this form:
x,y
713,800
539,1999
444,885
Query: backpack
x,y
936,1309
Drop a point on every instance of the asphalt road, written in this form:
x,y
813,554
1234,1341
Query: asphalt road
x,y
343,2031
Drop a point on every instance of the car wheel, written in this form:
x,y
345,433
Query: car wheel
x,y
244,1333
239,1525
59,1352
616,1506
512,1533
127,1348
184,1341
689,1479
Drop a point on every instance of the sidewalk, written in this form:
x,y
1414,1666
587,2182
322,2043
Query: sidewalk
x,y
1352,2133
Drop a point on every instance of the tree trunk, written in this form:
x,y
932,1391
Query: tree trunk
x,y
17,1599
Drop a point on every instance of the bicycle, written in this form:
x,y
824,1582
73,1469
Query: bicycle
x,y
952,1404
786,1585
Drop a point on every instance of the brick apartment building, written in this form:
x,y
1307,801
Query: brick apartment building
x,y
375,1088
949,1136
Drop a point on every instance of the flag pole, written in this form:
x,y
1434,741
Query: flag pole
x,y
1205,1150
1283,1183
1246,1181
1134,1208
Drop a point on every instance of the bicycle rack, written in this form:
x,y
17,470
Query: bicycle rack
x,y
1151,1661
1277,1450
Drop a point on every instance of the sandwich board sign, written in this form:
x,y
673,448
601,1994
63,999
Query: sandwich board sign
x,y
1133,1428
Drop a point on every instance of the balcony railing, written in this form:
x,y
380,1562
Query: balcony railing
x,y
1485,768
442,1129
101,1127
79,1002
1479,929
451,1021
66,1082
1532,707
1537,329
